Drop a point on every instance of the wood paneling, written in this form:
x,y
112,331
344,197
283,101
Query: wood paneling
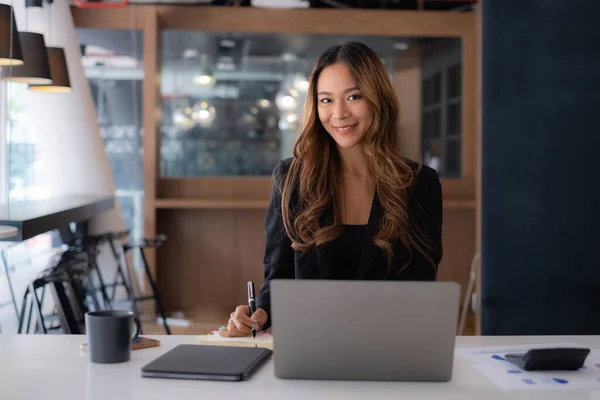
x,y
459,205
215,225
455,191
151,117
209,257
406,81
228,204
458,189
477,152
246,188
469,96
316,21
211,254
458,236
130,17
225,204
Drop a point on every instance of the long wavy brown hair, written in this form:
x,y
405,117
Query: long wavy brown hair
x,y
311,187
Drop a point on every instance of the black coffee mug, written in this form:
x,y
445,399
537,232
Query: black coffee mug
x,y
110,335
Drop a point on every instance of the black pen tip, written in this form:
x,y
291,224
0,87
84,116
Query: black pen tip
x,y
253,333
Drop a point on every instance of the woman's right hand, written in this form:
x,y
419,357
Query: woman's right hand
x,y
241,324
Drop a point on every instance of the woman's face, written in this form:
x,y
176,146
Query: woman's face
x,y
342,109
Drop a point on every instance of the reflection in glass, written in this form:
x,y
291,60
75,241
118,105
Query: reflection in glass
x,y
454,81
112,61
233,103
441,114
454,113
249,117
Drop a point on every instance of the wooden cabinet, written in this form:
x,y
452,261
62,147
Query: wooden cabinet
x,y
215,223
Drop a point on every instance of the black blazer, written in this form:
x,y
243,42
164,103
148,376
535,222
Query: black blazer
x,y
282,262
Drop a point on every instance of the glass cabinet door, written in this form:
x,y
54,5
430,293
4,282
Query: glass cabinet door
x,y
232,102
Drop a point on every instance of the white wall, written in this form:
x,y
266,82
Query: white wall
x,y
68,137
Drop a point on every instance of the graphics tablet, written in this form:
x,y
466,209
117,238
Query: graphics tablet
x,y
221,363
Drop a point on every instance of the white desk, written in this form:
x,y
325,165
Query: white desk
x,y
51,367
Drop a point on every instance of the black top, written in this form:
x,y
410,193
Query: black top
x,y
282,262
348,250
38,216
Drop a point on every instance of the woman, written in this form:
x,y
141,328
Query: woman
x,y
348,205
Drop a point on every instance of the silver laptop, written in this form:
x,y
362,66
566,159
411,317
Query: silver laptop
x,y
364,330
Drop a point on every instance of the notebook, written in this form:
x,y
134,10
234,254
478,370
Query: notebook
x,y
220,363
139,343
262,339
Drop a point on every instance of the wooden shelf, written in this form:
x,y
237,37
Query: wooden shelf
x,y
224,204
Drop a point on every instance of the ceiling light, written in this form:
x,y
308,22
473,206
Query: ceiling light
x,y
35,68
227,43
190,53
37,4
300,83
288,57
400,46
225,66
204,113
288,122
203,80
182,120
59,73
10,43
285,101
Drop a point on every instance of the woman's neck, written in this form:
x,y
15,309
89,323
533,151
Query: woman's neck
x,y
353,162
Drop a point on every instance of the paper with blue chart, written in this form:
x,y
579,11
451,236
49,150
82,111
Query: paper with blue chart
x,y
490,362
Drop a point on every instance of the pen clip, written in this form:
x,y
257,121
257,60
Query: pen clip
x,y
251,291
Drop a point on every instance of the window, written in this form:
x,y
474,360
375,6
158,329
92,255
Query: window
x,y
442,108
113,64
23,169
21,178
232,103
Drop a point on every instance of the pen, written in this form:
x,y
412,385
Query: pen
x,y
251,303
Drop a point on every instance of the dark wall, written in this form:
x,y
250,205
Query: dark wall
x,y
540,178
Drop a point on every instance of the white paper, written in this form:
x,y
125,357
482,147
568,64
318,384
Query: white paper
x,y
491,363
486,355
509,377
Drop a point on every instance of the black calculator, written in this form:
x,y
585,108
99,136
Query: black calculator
x,y
550,359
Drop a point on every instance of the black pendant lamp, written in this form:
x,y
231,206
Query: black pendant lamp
x,y
59,72
35,68
10,44
34,3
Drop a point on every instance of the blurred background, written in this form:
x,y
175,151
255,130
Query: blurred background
x,y
173,115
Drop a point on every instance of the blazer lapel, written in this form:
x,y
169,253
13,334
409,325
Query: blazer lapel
x,y
370,251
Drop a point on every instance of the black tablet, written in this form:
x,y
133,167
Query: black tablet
x,y
220,363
